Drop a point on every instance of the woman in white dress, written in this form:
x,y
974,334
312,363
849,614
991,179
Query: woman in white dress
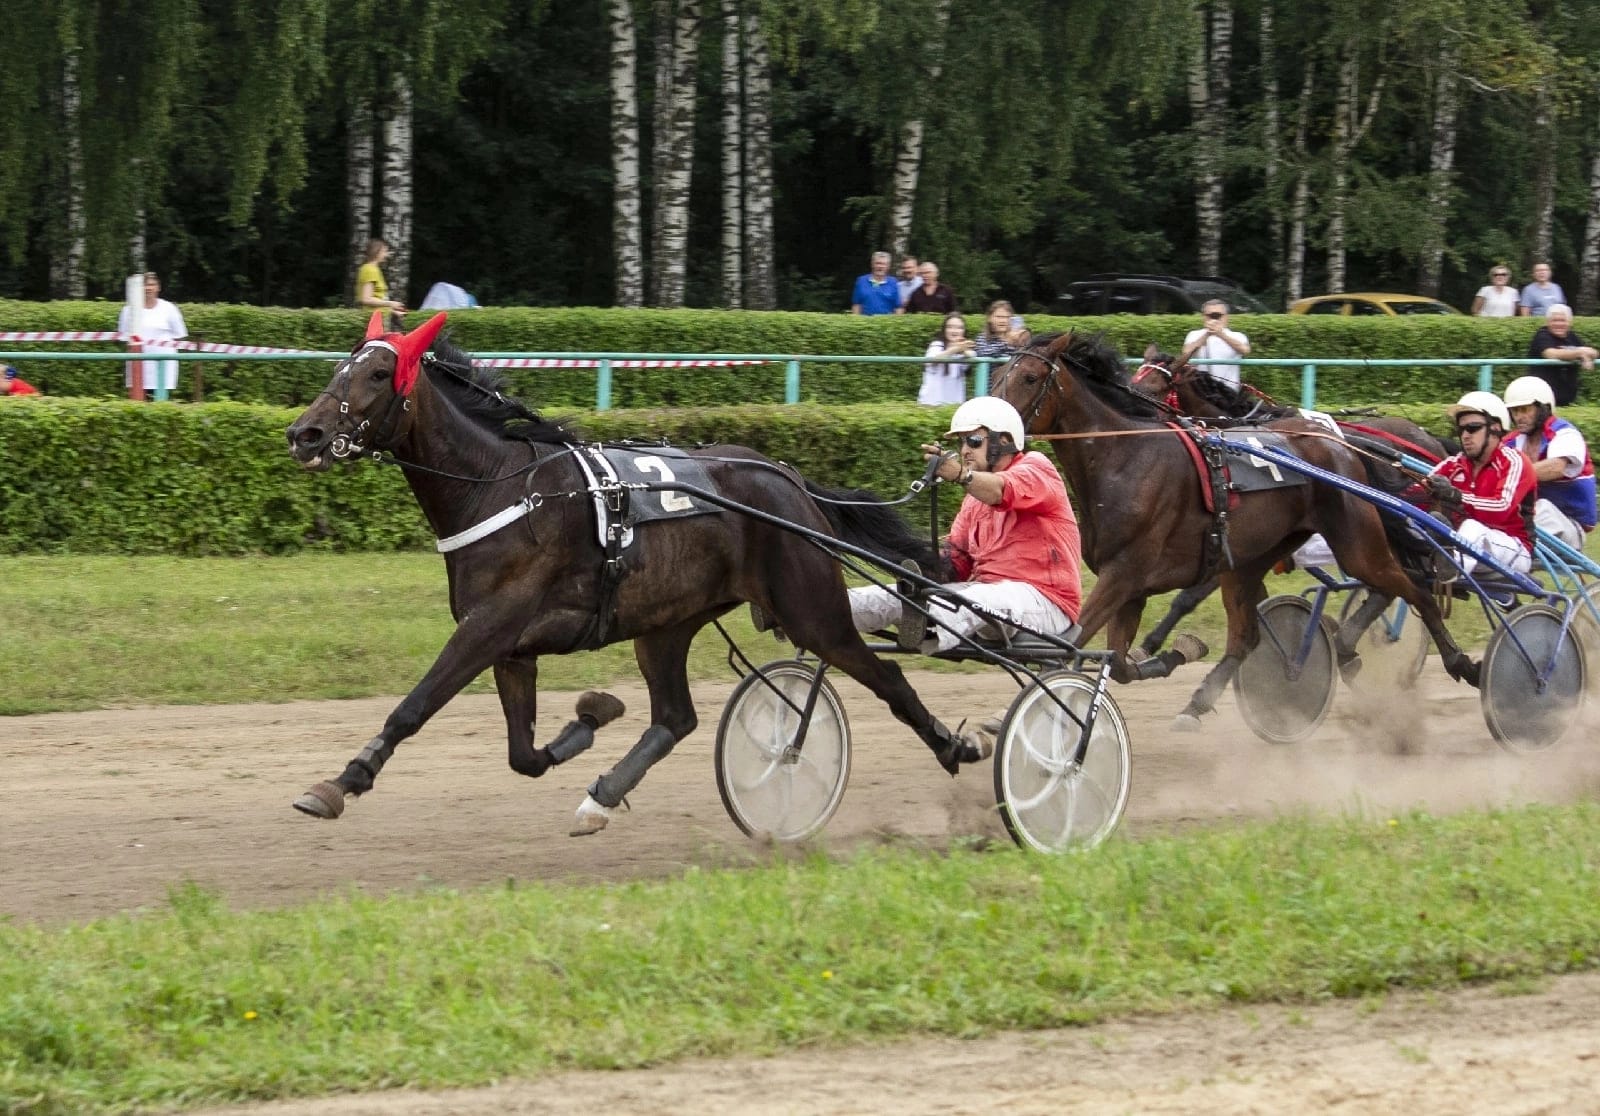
x,y
946,381
1499,298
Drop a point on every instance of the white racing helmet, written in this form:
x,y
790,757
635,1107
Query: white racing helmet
x,y
996,415
1484,403
1528,390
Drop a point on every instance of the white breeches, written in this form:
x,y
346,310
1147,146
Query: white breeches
x,y
1496,544
873,608
1553,521
1315,551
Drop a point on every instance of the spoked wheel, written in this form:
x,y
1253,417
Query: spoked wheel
x,y
1586,620
769,787
1522,715
1393,649
1048,802
1280,704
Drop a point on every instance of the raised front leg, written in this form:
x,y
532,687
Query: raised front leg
x,y
473,646
517,680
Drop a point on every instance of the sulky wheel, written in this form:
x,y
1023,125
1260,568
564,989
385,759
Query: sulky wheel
x,y
1586,619
768,786
1393,649
1049,802
1524,715
1282,695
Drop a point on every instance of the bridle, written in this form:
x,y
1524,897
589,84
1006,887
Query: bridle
x,y
1047,386
350,438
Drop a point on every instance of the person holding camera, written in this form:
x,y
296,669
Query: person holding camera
x,y
1215,341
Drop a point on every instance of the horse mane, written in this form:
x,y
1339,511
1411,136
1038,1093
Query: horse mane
x,y
1101,369
480,394
1235,401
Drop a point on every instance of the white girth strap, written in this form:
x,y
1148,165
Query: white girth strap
x,y
487,527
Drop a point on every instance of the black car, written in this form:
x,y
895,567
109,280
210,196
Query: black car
x,y
1153,294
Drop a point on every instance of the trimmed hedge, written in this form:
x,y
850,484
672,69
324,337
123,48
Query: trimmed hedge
x,y
295,383
107,476
102,476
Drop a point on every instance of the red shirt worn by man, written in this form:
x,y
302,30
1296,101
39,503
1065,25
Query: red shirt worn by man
x,y
1494,493
1031,535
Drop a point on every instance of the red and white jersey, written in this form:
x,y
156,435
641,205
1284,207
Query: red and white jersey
x,y
1494,493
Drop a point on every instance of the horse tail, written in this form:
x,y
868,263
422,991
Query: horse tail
x,y
860,517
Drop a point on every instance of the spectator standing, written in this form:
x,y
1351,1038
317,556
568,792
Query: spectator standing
x,y
1561,466
372,289
1003,332
1540,295
1556,340
13,384
910,278
1499,299
154,322
946,381
875,292
1215,341
933,297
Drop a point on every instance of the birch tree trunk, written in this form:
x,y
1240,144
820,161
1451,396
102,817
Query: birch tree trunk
x,y
397,216
732,163
1208,98
672,262
908,158
1271,141
1441,171
66,267
1295,260
660,131
358,172
627,237
1349,125
760,275
1589,266
1544,175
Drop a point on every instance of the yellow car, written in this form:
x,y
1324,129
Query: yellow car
x,y
1392,305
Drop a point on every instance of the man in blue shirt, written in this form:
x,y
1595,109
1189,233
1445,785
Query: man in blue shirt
x,y
876,292
1541,294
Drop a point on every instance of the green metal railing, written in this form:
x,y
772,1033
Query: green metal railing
x,y
605,369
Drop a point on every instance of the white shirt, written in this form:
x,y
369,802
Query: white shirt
x,y
1567,444
1214,347
1498,302
942,383
153,325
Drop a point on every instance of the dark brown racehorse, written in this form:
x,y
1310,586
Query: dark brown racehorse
x,y
1144,522
534,585
1189,390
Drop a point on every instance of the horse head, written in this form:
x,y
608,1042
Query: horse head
x,y
367,404
1159,373
1058,373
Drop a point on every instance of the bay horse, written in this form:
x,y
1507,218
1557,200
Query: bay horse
x,y
1190,390
1144,523
504,491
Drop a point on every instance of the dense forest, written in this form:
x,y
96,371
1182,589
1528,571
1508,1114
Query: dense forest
x,y
753,152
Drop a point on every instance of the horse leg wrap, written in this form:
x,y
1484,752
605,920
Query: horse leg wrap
x,y
373,756
609,789
574,739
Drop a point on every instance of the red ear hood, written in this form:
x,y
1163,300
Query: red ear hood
x,y
375,326
409,348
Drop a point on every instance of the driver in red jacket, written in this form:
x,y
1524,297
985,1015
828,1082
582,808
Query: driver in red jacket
x,y
1488,488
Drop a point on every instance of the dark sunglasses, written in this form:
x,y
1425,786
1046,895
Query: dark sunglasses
x,y
1500,274
975,440
1471,427
1215,314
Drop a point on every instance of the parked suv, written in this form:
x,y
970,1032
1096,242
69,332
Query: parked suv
x,y
1153,294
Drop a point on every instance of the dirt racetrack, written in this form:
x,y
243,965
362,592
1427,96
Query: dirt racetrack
x,y
105,811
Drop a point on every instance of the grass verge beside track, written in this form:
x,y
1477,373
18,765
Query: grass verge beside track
x,y
99,632
199,1004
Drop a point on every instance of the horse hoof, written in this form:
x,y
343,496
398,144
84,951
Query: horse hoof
x,y
1190,648
1185,722
1350,669
325,800
591,818
601,706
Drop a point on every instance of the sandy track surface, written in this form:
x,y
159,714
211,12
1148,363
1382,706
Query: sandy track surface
x,y
105,812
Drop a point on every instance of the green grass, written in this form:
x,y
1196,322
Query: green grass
x,y
97,632
199,1004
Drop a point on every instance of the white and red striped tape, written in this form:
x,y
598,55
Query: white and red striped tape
x,y
504,362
